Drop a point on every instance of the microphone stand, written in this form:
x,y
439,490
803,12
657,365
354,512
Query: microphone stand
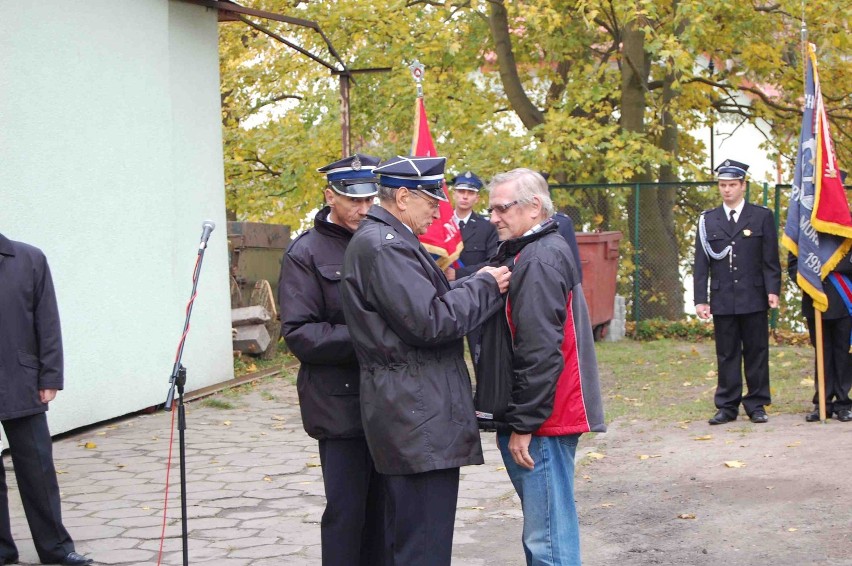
x,y
178,380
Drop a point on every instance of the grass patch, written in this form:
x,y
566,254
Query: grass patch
x,y
675,381
217,403
245,364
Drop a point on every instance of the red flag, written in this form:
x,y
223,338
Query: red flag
x,y
442,239
831,210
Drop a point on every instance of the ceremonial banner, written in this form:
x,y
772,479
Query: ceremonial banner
x,y
819,223
442,239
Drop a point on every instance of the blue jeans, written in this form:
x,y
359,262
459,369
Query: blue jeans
x,y
551,529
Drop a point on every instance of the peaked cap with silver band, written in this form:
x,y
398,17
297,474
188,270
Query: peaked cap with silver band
x,y
414,173
468,181
353,176
730,169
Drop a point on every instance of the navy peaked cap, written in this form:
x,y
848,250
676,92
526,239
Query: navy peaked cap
x,y
730,169
414,173
353,176
467,180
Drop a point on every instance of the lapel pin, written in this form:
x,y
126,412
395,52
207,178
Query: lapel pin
x,y
746,232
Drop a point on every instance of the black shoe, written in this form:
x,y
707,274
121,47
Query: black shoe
x,y
844,415
74,559
759,416
12,560
813,417
721,417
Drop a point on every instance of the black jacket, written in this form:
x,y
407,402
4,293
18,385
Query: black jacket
x,y
408,327
836,306
739,283
480,244
565,226
537,372
313,326
30,334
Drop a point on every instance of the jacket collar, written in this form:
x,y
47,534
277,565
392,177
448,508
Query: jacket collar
x,y
6,247
327,228
512,247
382,215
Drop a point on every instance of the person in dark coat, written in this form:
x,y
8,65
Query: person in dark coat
x,y
565,227
836,329
315,330
31,372
478,235
407,323
537,379
736,252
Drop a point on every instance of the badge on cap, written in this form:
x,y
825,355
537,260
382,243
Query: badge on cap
x,y
356,164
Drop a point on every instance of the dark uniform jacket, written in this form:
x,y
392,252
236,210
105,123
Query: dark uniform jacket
x,y
30,335
739,283
408,325
480,244
565,226
312,324
538,371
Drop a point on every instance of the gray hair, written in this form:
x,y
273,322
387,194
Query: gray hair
x,y
528,184
386,194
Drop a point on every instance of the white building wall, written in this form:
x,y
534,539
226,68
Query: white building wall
x,y
110,159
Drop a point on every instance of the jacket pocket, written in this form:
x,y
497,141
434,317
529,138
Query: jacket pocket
x,y
331,272
28,360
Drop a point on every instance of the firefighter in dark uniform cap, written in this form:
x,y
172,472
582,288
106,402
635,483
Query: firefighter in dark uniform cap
x,y
479,236
312,324
408,324
736,251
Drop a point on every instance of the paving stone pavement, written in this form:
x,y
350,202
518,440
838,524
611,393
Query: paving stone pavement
x,y
255,493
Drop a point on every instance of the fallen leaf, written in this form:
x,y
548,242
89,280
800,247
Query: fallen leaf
x,y
770,487
251,367
687,383
807,382
314,465
477,508
781,354
587,477
267,478
705,437
686,516
227,423
595,455
102,433
643,456
711,373
61,472
734,464
145,507
607,505
90,445
792,529
278,418
795,444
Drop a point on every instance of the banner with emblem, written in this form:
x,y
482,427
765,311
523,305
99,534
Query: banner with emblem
x,y
442,239
819,223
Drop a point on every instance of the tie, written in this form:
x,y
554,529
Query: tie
x,y
461,225
733,222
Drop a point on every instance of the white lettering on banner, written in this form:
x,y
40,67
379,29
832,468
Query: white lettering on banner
x,y
796,193
450,230
808,230
813,263
809,100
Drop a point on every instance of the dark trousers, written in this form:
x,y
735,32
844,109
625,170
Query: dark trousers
x,y
742,342
835,346
421,511
352,528
32,457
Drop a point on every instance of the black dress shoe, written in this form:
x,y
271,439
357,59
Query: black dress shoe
x,y
813,416
844,415
721,417
74,559
759,416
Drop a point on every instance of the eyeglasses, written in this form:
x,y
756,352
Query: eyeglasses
x,y
433,203
501,208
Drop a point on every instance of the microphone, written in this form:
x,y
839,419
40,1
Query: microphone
x,y
206,228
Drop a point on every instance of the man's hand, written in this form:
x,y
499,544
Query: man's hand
x,y
703,310
450,273
46,395
773,301
519,448
500,274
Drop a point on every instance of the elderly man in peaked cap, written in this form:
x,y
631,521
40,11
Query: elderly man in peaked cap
x,y
408,324
312,324
736,251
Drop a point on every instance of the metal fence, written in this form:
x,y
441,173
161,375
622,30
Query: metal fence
x,y
658,221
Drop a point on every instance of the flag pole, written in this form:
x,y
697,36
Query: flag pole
x,y
820,359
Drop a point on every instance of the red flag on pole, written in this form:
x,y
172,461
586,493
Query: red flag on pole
x,y
442,239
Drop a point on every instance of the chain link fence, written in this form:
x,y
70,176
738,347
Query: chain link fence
x,y
658,222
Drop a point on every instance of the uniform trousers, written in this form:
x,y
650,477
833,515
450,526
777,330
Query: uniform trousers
x,y
421,512
32,457
835,346
742,342
352,527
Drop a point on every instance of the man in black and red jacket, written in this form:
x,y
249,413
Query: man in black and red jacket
x,y
537,377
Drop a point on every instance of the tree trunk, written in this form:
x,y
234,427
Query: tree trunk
x,y
660,293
